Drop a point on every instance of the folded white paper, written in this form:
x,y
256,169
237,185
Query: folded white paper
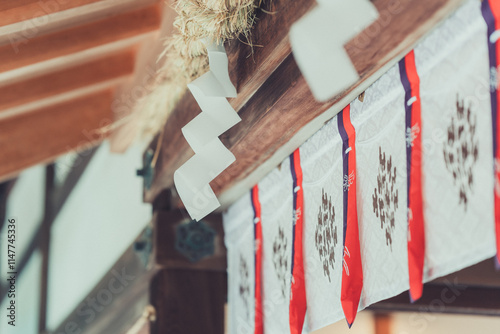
x,y
211,156
318,41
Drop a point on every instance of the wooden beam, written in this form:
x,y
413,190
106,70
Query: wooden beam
x,y
482,274
42,135
65,80
12,11
23,51
250,67
472,290
383,323
278,97
446,298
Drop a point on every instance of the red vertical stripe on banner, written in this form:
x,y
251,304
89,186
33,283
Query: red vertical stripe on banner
x,y
352,274
259,324
416,237
495,9
298,304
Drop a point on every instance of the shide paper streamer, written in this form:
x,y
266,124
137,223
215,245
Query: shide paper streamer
x,y
202,133
318,41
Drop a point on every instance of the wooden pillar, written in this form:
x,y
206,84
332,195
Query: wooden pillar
x,y
188,301
189,292
383,323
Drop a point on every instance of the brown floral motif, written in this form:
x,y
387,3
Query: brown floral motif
x,y
326,234
280,258
461,150
244,285
385,196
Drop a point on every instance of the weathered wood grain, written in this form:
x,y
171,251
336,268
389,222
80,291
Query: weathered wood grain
x,y
277,109
250,66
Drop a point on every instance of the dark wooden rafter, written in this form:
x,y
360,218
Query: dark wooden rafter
x,y
451,299
474,290
274,100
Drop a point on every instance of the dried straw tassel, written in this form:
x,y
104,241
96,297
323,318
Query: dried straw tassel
x,y
185,56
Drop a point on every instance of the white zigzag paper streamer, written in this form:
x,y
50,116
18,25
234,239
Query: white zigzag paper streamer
x,y
202,133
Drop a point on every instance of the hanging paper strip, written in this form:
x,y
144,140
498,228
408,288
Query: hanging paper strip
x,y
352,275
491,14
416,233
259,325
202,133
298,291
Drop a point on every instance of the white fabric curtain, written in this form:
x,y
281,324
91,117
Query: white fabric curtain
x,y
458,187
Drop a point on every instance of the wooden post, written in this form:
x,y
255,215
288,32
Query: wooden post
x,y
383,323
188,301
188,296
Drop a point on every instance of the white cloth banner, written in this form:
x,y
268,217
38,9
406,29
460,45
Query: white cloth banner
x,y
381,188
452,63
457,139
239,240
322,182
276,199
